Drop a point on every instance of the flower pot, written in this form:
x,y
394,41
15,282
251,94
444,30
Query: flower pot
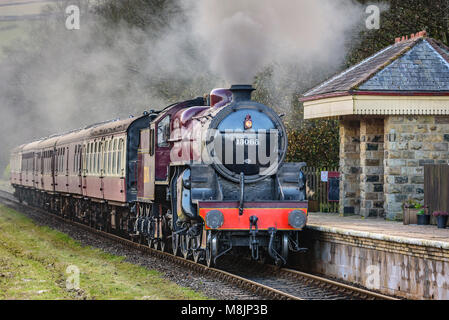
x,y
442,222
423,219
410,215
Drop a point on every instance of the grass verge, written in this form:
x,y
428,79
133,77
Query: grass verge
x,y
34,262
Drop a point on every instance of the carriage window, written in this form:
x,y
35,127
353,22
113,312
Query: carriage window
x,y
91,166
57,160
61,156
105,158
114,158
60,160
85,159
95,156
120,155
78,160
74,159
88,158
163,132
110,157
100,157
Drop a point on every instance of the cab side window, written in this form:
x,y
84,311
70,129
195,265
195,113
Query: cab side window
x,y
163,132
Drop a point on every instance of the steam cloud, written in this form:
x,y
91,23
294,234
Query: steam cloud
x,y
244,37
58,80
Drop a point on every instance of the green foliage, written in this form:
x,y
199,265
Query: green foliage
x,y
151,15
317,142
412,203
403,17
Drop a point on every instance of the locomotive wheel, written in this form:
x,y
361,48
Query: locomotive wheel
x,y
198,253
155,244
165,232
175,244
284,248
211,248
141,239
185,246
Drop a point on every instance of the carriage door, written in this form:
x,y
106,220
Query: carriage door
x,y
53,168
149,167
42,168
100,163
35,167
85,168
79,168
66,160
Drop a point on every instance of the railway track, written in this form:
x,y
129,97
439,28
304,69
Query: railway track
x,y
261,279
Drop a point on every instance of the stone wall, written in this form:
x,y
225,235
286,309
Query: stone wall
x,y
408,270
350,167
372,167
411,142
382,161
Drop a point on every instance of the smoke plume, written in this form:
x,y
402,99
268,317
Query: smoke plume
x,y
58,80
245,37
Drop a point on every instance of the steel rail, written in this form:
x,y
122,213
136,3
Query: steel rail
x,y
241,282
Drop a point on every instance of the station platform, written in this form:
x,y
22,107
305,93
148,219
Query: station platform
x,y
406,261
381,229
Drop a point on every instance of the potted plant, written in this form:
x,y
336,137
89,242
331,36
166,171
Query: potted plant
x,y
410,210
442,217
423,218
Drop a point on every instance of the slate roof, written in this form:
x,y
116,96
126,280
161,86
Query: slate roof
x,y
415,65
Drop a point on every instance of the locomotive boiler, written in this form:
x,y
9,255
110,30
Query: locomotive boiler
x,y
202,178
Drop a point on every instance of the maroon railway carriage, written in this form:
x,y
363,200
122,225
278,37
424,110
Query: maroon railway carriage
x,y
90,173
202,177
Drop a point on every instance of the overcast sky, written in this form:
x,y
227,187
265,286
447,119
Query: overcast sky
x,y
22,7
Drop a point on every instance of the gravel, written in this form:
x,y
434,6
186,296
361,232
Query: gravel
x,y
212,288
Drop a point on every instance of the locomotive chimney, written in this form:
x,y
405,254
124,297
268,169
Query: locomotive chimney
x,y
241,92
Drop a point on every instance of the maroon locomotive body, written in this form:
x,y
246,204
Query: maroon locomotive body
x,y
202,177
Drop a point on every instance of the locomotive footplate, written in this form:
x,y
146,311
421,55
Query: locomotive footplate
x,y
271,226
281,215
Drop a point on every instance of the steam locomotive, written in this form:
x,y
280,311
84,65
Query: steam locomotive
x,y
202,178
